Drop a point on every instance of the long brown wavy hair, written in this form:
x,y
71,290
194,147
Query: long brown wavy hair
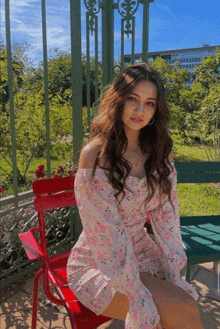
x,y
154,139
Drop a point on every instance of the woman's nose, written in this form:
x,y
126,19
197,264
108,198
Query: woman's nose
x,y
140,108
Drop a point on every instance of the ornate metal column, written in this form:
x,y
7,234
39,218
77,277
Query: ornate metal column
x,y
128,11
91,26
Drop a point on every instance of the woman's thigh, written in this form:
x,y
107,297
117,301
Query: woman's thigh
x,y
174,304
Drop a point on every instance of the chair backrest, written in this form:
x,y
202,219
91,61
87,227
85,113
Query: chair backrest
x,y
50,194
198,172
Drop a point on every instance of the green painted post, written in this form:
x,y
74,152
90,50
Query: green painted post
x,y
96,61
88,68
76,73
122,44
146,5
46,98
11,101
107,41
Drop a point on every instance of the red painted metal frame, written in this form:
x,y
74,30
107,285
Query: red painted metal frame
x,y
50,194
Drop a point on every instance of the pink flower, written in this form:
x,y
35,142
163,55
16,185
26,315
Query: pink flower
x,y
39,171
56,176
41,167
91,293
121,255
135,314
106,215
90,240
106,241
71,172
100,256
60,170
172,254
128,285
100,229
88,230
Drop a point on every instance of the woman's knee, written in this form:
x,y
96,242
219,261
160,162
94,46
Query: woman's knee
x,y
184,316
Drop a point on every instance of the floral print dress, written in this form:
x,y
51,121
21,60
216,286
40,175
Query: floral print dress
x,y
114,246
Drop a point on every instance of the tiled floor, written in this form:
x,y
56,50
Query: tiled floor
x,y
15,306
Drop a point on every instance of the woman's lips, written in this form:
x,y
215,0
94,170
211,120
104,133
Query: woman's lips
x,y
136,121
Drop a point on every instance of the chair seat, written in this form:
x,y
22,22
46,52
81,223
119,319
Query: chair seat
x,y
84,317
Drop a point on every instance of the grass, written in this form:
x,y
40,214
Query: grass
x,y
195,199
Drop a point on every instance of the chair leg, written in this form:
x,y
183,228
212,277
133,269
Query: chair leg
x,y
35,298
188,272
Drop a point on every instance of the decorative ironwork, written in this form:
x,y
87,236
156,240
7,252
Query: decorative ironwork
x,y
58,224
15,222
58,232
92,11
90,4
129,9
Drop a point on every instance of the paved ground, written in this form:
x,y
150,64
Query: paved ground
x,y
15,306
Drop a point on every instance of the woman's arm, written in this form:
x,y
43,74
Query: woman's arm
x,y
166,228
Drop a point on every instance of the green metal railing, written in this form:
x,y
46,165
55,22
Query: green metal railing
x,y
19,203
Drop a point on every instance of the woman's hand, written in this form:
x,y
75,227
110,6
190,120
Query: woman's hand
x,y
158,326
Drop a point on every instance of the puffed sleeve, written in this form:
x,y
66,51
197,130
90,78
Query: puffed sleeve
x,y
166,228
112,248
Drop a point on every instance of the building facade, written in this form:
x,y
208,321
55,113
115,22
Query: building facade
x,y
187,58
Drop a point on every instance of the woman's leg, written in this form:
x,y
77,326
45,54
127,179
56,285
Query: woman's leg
x,y
177,309
118,308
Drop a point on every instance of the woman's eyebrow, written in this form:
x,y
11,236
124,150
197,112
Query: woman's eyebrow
x,y
139,96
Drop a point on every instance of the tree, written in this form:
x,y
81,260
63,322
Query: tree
x,y
59,78
20,63
208,74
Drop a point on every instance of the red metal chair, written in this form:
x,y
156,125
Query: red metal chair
x,y
54,268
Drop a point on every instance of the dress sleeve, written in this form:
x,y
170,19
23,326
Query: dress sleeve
x,y
166,228
112,248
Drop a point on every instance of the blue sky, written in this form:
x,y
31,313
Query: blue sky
x,y
174,24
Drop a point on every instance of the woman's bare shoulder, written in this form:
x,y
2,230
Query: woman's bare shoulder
x,y
89,153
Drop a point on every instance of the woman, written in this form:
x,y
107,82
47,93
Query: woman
x,y
117,268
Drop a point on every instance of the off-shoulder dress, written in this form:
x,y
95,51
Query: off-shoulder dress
x,y
114,246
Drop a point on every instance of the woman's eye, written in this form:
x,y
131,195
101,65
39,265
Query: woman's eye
x,y
148,103
152,104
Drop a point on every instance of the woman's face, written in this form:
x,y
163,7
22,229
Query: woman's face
x,y
141,104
